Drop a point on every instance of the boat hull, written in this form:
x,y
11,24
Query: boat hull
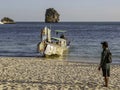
x,y
50,49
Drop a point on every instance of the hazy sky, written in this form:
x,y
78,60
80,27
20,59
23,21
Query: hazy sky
x,y
70,10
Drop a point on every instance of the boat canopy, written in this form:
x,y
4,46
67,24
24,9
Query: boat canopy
x,y
60,31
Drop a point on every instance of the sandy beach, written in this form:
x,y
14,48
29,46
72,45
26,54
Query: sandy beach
x,y
32,73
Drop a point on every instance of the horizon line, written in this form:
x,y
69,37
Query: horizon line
x,y
69,21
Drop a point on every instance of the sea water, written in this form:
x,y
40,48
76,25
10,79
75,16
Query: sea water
x,y
21,39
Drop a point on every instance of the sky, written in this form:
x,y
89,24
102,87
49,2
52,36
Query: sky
x,y
69,10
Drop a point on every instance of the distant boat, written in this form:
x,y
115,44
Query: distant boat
x,y
52,45
1,23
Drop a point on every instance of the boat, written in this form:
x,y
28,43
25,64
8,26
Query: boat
x,y
50,46
1,23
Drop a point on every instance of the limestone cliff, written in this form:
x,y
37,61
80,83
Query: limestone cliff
x,y
51,16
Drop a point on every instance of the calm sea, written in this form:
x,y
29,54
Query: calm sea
x,y
21,39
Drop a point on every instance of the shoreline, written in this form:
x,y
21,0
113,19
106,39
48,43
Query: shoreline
x,y
26,73
43,58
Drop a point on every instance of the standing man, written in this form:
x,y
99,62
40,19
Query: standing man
x,y
104,63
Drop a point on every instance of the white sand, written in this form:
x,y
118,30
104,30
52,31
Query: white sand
x,y
26,73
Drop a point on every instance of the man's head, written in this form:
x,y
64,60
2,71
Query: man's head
x,y
104,44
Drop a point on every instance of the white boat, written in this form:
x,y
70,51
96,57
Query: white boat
x,y
52,45
1,23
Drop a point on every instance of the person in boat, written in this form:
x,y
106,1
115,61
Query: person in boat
x,y
62,36
42,45
43,35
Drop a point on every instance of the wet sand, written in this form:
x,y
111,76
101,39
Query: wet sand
x,y
31,73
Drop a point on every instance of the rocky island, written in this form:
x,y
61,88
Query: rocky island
x,y
7,20
51,16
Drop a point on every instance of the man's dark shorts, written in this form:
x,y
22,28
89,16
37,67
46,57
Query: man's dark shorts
x,y
106,72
